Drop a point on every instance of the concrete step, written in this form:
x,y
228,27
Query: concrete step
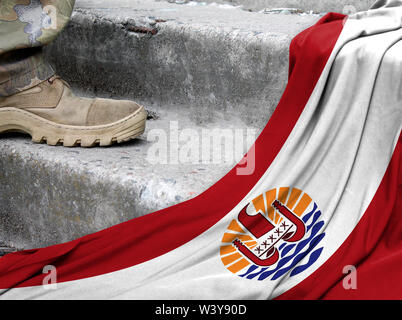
x,y
341,6
209,58
50,195
5,249
196,69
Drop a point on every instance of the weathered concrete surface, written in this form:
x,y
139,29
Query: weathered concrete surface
x,y
50,195
341,6
208,58
205,68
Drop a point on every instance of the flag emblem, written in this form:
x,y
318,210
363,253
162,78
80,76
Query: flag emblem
x,y
277,233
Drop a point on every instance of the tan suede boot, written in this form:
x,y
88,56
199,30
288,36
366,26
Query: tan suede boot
x,y
51,112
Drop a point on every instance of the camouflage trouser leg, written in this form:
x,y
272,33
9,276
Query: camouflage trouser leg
x,y
26,26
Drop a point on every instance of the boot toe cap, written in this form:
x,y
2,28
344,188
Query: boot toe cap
x,y
105,111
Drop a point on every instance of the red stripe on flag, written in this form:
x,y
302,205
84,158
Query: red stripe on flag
x,y
374,248
150,236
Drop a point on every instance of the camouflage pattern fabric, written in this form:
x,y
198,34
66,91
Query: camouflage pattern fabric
x,y
25,27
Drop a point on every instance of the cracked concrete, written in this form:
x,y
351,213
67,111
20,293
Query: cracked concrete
x,y
50,195
194,69
209,59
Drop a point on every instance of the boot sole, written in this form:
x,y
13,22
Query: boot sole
x,y
42,130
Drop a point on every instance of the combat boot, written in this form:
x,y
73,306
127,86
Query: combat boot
x,y
51,113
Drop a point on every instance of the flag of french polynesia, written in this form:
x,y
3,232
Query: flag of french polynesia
x,y
325,196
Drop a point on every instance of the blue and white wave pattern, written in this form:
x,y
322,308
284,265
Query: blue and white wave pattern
x,y
292,254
